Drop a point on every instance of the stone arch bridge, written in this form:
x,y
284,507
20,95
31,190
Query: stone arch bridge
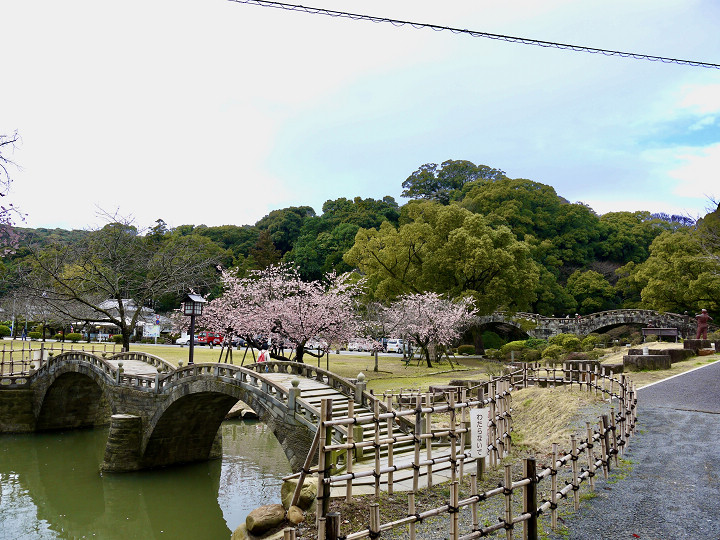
x,y
172,416
539,326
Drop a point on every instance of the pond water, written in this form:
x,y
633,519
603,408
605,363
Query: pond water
x,y
51,488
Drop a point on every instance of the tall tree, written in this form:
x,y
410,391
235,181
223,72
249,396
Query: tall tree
x,y
680,274
115,272
444,183
449,250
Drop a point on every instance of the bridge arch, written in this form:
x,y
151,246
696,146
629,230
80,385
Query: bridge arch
x,y
539,326
185,426
74,395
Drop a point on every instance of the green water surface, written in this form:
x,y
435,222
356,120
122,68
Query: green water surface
x,y
51,488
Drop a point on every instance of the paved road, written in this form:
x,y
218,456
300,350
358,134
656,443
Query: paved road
x,y
673,489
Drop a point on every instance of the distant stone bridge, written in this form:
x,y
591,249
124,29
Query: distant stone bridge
x,y
540,326
173,416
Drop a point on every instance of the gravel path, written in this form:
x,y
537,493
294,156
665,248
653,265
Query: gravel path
x,y
672,490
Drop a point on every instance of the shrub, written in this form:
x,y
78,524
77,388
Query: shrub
x,y
572,343
58,337
635,338
552,352
4,330
651,338
34,335
559,339
508,348
466,349
117,338
531,355
588,344
536,343
491,340
74,337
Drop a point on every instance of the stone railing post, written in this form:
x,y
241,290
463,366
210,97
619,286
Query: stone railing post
x,y
119,372
293,394
360,386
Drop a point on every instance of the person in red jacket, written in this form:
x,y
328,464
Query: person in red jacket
x,y
702,321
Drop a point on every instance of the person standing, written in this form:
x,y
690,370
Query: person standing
x,y
702,321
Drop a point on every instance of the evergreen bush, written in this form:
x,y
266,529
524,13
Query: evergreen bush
x,y
34,335
466,349
74,337
491,340
552,352
4,330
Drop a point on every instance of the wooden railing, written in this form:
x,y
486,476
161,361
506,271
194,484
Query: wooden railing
x,y
600,447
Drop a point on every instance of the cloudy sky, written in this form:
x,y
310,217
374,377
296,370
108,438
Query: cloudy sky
x,y
215,112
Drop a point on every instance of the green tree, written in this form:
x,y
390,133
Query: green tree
x,y
591,291
446,249
284,225
560,233
116,271
324,239
681,274
627,236
444,183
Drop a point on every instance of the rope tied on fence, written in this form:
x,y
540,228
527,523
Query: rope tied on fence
x,y
418,517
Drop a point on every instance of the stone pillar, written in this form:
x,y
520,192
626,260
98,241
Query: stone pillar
x,y
360,386
122,452
16,411
293,394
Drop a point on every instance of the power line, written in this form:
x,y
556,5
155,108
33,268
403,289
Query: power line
x,y
474,33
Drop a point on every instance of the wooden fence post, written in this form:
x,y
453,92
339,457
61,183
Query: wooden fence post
x,y
530,528
332,526
606,436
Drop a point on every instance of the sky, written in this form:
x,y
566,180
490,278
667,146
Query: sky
x,y
215,112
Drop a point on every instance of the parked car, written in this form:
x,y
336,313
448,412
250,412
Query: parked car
x,y
209,338
184,340
356,345
394,345
316,344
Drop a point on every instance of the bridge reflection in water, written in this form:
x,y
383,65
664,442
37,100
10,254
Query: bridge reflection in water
x,y
51,488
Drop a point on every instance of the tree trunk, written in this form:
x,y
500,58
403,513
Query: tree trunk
x,y
126,332
426,351
478,340
376,362
299,353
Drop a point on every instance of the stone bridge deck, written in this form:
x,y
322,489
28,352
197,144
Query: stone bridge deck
x,y
161,415
540,326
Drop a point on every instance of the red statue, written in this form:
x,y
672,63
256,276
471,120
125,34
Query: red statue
x,y
702,321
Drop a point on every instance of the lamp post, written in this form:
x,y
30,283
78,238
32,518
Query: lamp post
x,y
192,306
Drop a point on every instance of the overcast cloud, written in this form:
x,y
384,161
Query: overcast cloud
x,y
210,111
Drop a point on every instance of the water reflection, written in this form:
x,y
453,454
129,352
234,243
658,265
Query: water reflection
x,y
51,488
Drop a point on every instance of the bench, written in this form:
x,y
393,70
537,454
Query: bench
x,y
659,332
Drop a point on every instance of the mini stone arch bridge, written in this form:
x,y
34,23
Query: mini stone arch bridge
x,y
538,326
172,416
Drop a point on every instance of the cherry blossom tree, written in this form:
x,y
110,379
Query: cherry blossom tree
x,y
276,306
428,318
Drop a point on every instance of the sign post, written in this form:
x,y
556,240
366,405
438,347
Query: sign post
x,y
479,423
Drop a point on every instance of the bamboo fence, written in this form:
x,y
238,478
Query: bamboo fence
x,y
597,450
18,359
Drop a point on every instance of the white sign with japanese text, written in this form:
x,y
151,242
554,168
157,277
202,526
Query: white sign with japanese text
x,y
479,420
